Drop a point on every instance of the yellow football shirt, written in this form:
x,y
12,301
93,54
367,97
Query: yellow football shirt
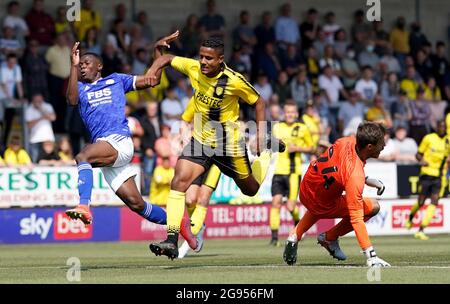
x,y
435,151
298,135
160,186
313,124
215,104
14,159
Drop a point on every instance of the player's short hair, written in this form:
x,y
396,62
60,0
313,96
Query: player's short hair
x,y
214,43
369,133
97,56
290,102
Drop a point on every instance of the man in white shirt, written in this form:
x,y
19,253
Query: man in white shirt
x,y
39,116
172,109
332,85
366,86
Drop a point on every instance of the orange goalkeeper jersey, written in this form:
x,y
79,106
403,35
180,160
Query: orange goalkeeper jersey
x,y
337,170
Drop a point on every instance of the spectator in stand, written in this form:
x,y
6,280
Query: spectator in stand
x,y
330,27
340,43
212,24
263,86
268,62
360,31
41,24
411,83
311,119
332,85
301,90
423,64
330,60
379,113
137,40
162,177
282,88
350,68
58,58
366,86
88,18
264,32
308,29
140,62
15,154
146,29
402,148
351,114
16,22
133,123
291,61
39,116
9,44
11,92
171,110
65,152
320,42
164,147
432,91
243,34
390,61
390,89
111,60
151,125
190,36
275,113
419,125
381,38
368,56
441,67
286,28
61,22
76,129
35,70
416,38
91,42
49,155
237,61
401,111
399,39
118,37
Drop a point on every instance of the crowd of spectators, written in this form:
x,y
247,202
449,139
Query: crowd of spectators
x,y
337,76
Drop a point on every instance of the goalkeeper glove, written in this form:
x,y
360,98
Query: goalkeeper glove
x,y
373,260
372,182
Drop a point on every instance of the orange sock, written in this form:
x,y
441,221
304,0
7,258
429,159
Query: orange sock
x,y
342,228
305,223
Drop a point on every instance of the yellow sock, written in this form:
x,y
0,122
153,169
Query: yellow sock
x,y
175,211
414,209
296,214
428,216
198,218
261,165
274,218
191,209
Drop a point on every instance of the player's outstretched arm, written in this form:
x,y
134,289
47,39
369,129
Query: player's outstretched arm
x,y
163,44
153,76
72,88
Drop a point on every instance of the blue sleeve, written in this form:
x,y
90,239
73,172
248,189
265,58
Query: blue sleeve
x,y
128,81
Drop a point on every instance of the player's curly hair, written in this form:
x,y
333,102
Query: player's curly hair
x,y
214,43
369,133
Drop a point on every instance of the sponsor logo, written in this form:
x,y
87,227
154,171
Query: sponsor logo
x,y
34,225
67,229
109,81
401,213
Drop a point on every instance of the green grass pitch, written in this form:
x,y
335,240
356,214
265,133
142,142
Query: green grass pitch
x,y
238,261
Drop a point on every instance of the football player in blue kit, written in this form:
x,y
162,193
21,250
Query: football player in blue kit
x,y
101,103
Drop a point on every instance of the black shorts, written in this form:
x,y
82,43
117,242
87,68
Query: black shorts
x,y
233,166
209,178
286,185
430,185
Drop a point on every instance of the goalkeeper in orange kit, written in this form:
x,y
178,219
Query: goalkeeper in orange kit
x,y
341,168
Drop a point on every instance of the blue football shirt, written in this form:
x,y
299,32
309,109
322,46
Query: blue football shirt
x,y
102,105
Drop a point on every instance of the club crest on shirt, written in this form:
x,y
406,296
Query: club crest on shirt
x,y
109,81
219,91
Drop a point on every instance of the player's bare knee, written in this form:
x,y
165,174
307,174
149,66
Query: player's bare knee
x,y
249,191
375,208
180,183
81,158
